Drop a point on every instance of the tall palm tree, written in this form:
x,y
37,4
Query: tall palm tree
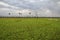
x,y
36,13
30,13
20,13
9,13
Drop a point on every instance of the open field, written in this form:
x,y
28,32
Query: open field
x,y
29,28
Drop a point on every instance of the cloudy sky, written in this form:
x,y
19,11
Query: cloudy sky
x,y
42,7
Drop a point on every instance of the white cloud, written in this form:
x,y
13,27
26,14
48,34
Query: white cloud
x,y
45,13
58,3
48,11
32,1
7,5
2,3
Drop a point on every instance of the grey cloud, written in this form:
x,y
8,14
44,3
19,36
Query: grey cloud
x,y
35,5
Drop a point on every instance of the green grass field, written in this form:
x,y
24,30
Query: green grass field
x,y
29,28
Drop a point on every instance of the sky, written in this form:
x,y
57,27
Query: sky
x,y
42,7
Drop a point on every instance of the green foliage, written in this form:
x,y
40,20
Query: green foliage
x,y
29,28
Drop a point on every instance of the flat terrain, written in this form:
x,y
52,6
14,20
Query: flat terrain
x,y
29,28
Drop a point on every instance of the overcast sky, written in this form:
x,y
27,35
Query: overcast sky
x,y
43,7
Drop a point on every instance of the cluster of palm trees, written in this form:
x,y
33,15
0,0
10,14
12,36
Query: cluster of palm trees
x,y
28,13
21,13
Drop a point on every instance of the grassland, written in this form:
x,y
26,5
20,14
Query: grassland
x,y
29,28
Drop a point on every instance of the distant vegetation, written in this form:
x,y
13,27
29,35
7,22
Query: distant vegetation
x,y
29,28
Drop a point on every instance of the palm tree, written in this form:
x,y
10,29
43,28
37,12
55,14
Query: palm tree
x,y
36,14
30,13
9,13
20,13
